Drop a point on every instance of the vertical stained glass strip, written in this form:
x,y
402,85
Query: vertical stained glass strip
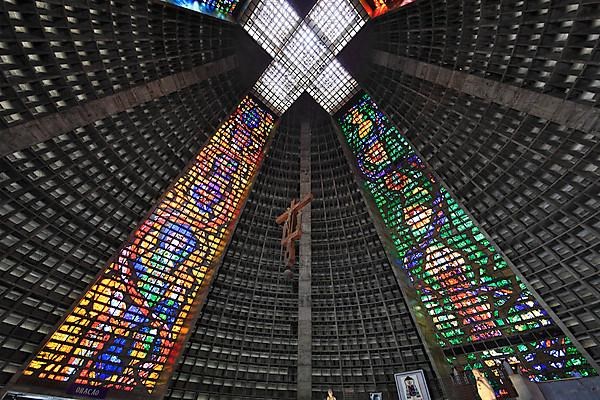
x,y
127,330
375,8
466,286
539,361
224,9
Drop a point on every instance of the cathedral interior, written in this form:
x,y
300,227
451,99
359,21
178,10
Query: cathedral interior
x,y
299,199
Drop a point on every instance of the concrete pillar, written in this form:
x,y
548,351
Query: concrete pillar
x,y
304,278
27,134
526,390
564,112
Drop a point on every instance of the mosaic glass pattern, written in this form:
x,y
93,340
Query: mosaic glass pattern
x,y
465,285
375,8
224,9
467,288
128,329
539,361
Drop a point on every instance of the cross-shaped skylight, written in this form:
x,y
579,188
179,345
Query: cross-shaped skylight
x,y
303,50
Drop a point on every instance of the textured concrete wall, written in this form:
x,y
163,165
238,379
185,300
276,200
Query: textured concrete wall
x,y
304,277
39,130
564,112
580,389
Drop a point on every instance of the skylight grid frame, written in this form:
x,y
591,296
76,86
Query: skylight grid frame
x,y
333,87
270,23
336,22
307,53
294,68
277,87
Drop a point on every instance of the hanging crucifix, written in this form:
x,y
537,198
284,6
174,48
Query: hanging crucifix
x,y
292,230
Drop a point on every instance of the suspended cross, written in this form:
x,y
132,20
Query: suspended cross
x,y
291,220
304,52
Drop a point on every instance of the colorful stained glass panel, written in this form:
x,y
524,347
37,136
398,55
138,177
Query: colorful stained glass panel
x,y
127,331
460,279
539,361
223,9
375,8
465,285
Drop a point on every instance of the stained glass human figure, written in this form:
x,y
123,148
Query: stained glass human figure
x,y
330,395
484,389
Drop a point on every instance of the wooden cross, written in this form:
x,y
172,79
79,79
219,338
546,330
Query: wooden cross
x,y
292,228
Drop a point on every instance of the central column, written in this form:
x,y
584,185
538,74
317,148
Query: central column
x,y
304,279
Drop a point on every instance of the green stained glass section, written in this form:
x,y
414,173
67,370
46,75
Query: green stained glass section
x,y
539,361
465,285
467,288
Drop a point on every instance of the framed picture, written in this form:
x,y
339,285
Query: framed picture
x,y
412,386
375,396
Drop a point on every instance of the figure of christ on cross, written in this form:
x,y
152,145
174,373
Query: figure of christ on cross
x,y
292,230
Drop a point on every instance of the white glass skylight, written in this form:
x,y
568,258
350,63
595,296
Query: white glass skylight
x,y
333,88
306,52
270,23
278,86
337,21
303,52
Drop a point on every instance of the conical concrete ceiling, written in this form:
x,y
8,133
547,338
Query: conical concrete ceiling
x,y
72,198
246,341
501,99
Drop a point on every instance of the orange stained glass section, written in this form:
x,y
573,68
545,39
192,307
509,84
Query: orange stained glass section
x,y
126,332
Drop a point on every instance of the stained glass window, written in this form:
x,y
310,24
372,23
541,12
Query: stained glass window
x,y
224,9
469,292
539,361
127,331
376,8
465,285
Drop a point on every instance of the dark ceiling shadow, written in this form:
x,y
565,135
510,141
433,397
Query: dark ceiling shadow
x,y
356,55
305,107
252,58
302,7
